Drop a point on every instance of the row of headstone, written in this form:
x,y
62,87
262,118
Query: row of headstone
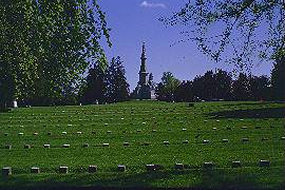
x,y
94,132
6,171
106,144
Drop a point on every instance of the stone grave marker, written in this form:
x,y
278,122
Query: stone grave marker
x,y
85,145
122,168
8,146
46,145
106,144
236,164
27,146
150,167
206,141
6,171
264,163
166,142
126,143
185,141
179,166
208,165
63,169
35,170
225,140
66,145
6,134
92,168
245,139
20,134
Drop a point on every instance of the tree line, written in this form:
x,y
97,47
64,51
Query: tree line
x,y
221,85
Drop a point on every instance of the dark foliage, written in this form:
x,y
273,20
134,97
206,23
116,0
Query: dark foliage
x,y
96,86
167,88
106,84
117,88
278,80
213,86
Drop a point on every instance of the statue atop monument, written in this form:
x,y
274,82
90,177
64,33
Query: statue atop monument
x,y
143,89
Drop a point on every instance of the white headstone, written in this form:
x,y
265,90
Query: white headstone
x,y
35,170
15,104
63,169
122,168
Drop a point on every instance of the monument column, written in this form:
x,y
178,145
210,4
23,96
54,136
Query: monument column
x,y
143,73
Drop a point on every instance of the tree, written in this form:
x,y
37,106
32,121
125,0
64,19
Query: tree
x,y
204,86
223,83
167,87
241,28
184,92
259,87
240,88
96,86
277,80
117,86
46,46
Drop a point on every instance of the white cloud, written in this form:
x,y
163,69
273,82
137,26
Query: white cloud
x,y
146,4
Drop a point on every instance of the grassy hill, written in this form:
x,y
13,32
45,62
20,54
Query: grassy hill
x,y
156,133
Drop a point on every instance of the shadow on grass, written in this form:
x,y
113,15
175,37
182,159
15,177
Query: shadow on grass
x,y
253,103
260,113
189,179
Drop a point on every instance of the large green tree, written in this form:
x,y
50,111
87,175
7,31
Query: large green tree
x,y
241,88
117,85
96,83
166,89
46,46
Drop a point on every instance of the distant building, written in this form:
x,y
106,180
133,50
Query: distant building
x,y
143,89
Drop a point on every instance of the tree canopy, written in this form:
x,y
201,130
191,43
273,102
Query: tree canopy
x,y
234,30
166,88
46,46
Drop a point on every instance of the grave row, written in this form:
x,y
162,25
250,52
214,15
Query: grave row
x,y
108,132
107,144
6,171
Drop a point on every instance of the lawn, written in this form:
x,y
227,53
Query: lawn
x,y
157,133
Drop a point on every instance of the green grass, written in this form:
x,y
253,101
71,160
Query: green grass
x,y
134,122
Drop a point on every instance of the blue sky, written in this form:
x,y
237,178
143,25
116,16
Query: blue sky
x,y
135,21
